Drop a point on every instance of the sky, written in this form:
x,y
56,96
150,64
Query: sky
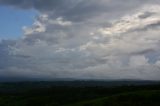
x,y
79,39
10,17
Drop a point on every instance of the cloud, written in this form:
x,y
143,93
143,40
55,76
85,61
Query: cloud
x,y
78,10
135,21
106,39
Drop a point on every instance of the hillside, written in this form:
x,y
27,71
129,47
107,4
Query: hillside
x,y
141,98
79,93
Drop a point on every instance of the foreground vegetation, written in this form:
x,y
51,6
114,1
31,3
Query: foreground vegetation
x,y
51,94
141,98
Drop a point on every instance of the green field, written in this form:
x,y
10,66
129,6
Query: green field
x,y
42,94
141,98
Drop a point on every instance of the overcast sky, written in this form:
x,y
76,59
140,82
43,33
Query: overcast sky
x,y
80,39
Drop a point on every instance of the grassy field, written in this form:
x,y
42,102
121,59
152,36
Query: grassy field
x,y
141,98
42,94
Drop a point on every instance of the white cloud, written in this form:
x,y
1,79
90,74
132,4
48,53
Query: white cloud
x,y
137,61
60,21
38,27
72,43
131,22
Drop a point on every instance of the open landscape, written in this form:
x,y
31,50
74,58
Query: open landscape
x,y
80,93
79,52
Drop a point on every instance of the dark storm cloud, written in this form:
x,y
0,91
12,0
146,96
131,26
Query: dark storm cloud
x,y
146,15
78,10
144,52
37,4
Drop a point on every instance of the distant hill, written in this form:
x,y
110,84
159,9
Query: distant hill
x,y
78,83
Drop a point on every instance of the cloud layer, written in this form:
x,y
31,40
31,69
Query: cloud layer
x,y
93,39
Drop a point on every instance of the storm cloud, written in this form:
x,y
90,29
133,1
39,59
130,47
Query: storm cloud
x,y
85,39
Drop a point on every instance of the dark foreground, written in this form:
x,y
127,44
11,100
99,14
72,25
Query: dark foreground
x,y
80,93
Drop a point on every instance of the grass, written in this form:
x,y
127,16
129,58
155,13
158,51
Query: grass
x,y
51,95
140,98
